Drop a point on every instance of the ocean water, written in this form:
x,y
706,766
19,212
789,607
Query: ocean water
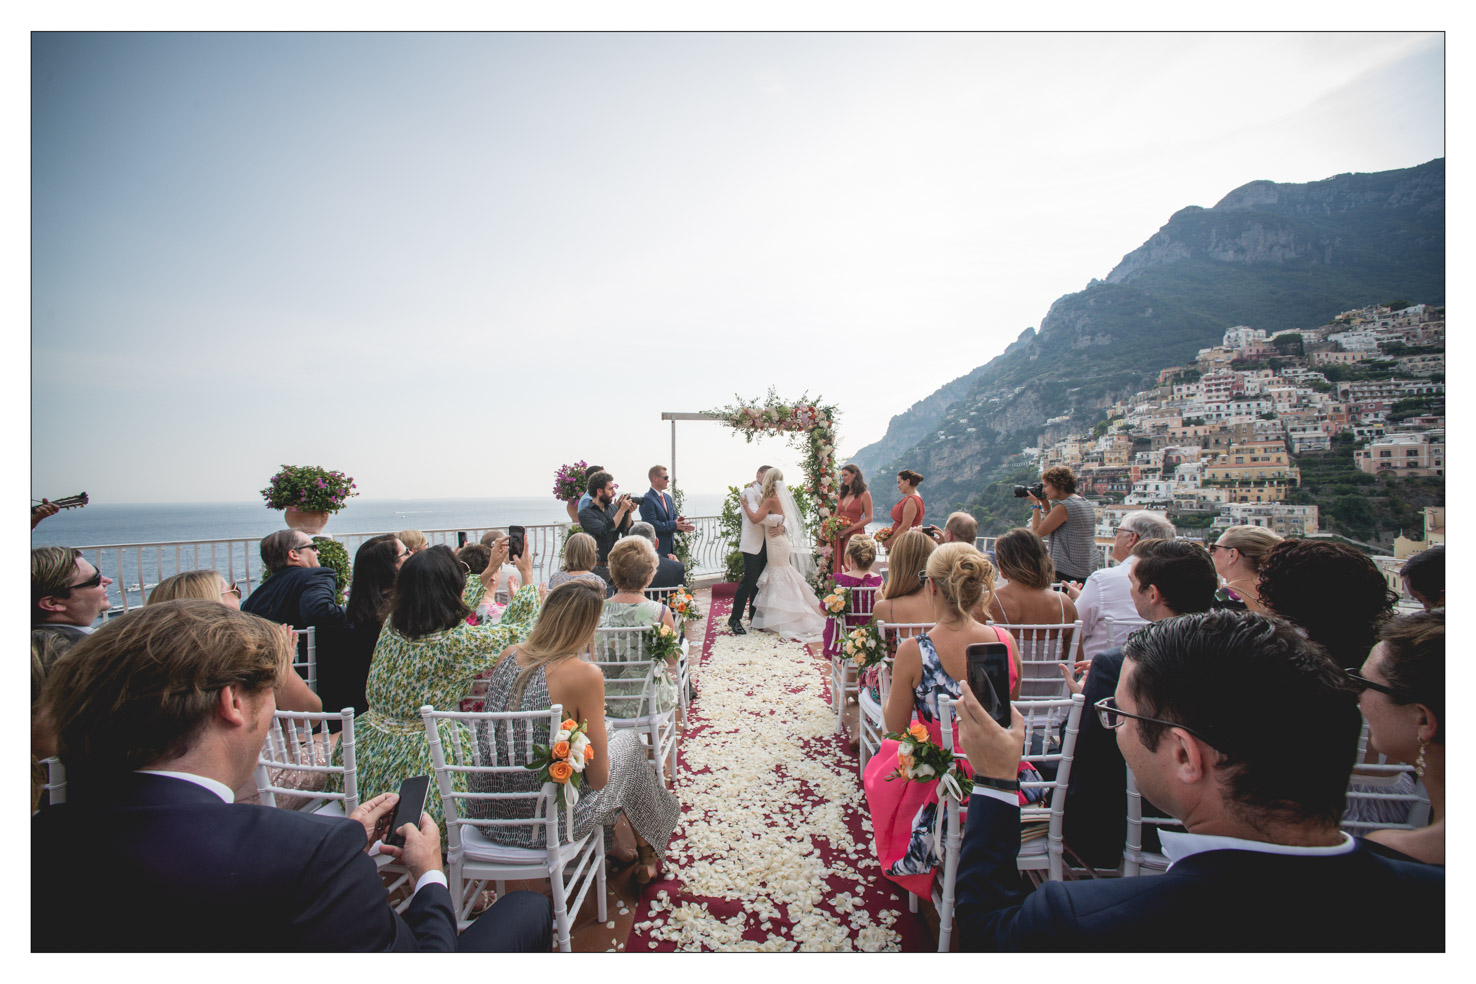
x,y
101,523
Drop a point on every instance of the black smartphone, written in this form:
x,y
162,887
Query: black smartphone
x,y
460,538
515,542
413,792
989,678
930,530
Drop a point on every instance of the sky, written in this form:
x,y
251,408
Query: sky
x,y
448,263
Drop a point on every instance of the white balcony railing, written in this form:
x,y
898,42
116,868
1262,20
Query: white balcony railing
x,y
136,568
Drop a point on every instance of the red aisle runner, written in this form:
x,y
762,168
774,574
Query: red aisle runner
x,y
774,826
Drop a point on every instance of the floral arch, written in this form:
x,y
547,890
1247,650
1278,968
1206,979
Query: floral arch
x,y
810,426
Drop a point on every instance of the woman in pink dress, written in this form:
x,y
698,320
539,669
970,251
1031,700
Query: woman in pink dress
x,y
907,514
854,506
904,814
860,555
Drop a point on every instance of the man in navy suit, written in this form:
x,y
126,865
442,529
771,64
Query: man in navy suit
x,y
1247,732
658,509
300,592
161,713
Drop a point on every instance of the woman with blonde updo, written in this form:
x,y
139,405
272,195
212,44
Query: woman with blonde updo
x,y
903,814
1237,555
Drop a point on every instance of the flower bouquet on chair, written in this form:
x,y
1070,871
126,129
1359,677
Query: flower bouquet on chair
x,y
563,762
920,760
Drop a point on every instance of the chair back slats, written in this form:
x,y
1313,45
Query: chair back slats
x,y
1042,649
1118,629
300,742
630,674
55,786
305,662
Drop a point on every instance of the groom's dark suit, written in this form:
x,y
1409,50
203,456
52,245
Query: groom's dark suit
x,y
192,872
1241,901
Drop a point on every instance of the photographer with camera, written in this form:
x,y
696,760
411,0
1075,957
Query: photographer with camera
x,y
1070,523
605,518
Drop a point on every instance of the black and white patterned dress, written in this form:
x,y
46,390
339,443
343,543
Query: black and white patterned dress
x,y
633,788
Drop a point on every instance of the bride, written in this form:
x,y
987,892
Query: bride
x,y
785,603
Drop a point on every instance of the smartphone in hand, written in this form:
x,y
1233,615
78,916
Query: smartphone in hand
x,y
989,678
515,536
413,792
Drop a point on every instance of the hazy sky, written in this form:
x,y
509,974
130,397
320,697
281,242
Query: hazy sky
x,y
447,263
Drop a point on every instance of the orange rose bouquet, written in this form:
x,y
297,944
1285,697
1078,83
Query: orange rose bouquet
x,y
882,535
920,760
563,762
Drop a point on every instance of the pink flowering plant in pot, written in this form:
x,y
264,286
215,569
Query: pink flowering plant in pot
x,y
309,488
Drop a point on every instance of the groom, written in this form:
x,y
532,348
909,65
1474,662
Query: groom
x,y
755,549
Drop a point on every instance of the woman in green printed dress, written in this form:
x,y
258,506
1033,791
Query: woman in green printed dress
x,y
428,654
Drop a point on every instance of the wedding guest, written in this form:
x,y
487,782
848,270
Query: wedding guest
x,y
1108,593
1237,555
1069,521
507,577
960,528
547,669
1332,591
632,566
346,653
1424,577
854,506
860,555
299,592
160,714
658,509
579,561
584,497
1403,698
903,598
1262,861
414,540
907,514
605,518
427,653
292,693
670,573
904,814
1026,597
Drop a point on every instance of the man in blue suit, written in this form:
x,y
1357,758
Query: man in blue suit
x,y
658,509
1246,732
159,715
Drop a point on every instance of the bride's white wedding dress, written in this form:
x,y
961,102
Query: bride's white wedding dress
x,y
785,603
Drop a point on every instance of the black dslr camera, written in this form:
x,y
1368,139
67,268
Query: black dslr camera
x,y
1037,490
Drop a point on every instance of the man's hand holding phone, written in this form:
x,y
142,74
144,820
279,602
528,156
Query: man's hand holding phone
x,y
375,815
993,752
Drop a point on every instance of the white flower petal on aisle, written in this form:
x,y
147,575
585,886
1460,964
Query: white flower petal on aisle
x,y
752,822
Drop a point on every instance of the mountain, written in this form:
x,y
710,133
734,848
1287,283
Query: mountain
x,y
1268,255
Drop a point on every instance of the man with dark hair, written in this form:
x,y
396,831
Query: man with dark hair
x,y
669,573
299,592
1424,577
659,510
1262,865
1168,578
159,715
605,518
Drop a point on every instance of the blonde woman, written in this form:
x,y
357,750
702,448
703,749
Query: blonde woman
x,y
294,694
903,813
1237,556
414,540
903,598
579,561
545,670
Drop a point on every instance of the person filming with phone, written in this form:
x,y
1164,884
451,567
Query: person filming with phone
x,y
1261,865
605,518
936,661
160,714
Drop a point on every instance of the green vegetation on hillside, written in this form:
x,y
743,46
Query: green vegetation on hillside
x,y
1359,505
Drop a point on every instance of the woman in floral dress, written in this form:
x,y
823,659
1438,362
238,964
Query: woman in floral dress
x,y
429,654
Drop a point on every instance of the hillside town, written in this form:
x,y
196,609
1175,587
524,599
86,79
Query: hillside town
x,y
1217,440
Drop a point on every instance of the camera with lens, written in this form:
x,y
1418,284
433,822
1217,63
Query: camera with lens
x,y
1037,490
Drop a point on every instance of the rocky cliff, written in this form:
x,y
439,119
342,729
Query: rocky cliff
x,y
1268,255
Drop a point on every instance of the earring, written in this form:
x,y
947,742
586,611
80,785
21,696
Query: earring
x,y
1420,759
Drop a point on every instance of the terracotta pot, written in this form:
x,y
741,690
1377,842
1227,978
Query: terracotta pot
x,y
309,521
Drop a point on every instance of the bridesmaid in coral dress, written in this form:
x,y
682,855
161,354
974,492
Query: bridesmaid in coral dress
x,y
854,506
907,514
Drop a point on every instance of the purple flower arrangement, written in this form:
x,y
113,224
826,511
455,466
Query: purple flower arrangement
x,y
569,481
309,488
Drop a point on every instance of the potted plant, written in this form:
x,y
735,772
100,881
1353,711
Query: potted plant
x,y
308,495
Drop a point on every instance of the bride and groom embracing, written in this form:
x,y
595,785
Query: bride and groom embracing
x,y
774,586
